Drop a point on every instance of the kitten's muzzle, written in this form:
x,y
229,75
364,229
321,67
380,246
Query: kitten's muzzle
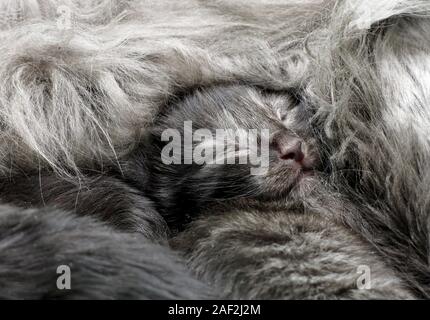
x,y
292,150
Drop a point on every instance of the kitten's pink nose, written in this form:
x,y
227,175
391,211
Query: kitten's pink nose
x,y
290,150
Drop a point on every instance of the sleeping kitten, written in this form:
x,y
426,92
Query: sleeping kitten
x,y
181,190
273,236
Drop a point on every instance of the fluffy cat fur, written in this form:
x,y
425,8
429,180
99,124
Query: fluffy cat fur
x,y
76,104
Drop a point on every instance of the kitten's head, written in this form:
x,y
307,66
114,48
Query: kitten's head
x,y
226,143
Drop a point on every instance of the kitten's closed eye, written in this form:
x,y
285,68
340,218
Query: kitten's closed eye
x,y
281,103
290,110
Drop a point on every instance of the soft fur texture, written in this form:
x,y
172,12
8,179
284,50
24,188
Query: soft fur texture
x,y
104,264
284,254
106,198
78,103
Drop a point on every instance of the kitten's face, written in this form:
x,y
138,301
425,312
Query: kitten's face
x,y
286,152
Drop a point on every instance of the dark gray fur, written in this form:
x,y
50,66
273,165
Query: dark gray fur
x,y
103,197
279,253
104,263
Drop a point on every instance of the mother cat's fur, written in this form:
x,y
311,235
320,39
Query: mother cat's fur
x,y
77,101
